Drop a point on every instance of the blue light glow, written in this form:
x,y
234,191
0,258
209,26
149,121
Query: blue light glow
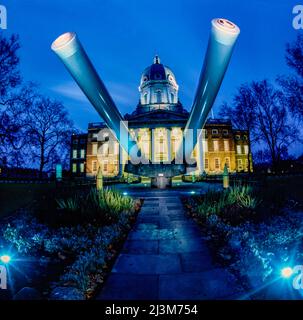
x,y
286,272
125,193
5,259
193,192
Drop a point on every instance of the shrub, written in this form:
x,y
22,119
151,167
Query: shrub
x,y
101,207
26,239
233,205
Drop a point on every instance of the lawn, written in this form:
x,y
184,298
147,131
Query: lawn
x,y
17,195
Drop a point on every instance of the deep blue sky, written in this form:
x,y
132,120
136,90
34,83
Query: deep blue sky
x,y
122,36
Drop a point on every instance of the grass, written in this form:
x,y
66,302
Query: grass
x,y
101,207
233,205
17,195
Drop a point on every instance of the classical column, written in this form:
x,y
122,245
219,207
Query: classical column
x,y
200,160
153,145
168,135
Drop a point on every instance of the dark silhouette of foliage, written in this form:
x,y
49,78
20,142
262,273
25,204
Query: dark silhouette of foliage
x,y
260,108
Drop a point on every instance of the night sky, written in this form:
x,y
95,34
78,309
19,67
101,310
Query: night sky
x,y
121,37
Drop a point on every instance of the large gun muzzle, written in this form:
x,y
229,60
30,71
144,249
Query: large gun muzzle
x,y
220,47
69,49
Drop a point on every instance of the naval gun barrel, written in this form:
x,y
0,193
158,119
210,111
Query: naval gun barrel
x,y
221,43
69,49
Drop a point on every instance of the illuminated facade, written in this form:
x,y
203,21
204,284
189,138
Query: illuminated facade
x,y
158,123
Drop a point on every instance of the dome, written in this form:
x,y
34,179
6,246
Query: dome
x,y
158,72
158,89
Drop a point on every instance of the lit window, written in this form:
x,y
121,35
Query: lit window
x,y
172,96
116,148
226,145
216,145
217,163
74,154
206,164
246,149
159,97
105,149
239,149
74,167
94,166
214,131
145,147
82,153
105,166
205,145
227,162
94,149
240,166
81,167
161,145
173,146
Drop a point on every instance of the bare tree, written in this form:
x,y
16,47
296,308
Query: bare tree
x,y
9,115
242,113
260,108
9,62
293,85
272,120
48,131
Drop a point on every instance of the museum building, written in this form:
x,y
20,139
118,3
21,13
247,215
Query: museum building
x,y
158,123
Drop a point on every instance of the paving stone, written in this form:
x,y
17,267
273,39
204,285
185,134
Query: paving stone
x,y
184,223
172,200
147,264
166,257
214,284
166,234
144,235
183,233
147,226
130,287
151,211
169,208
148,219
182,245
141,247
151,204
196,262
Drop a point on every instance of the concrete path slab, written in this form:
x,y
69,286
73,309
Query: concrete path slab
x,y
166,257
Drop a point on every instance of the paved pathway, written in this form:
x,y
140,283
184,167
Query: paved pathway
x,y
165,257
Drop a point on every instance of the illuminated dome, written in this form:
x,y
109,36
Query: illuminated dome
x,y
158,72
158,86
